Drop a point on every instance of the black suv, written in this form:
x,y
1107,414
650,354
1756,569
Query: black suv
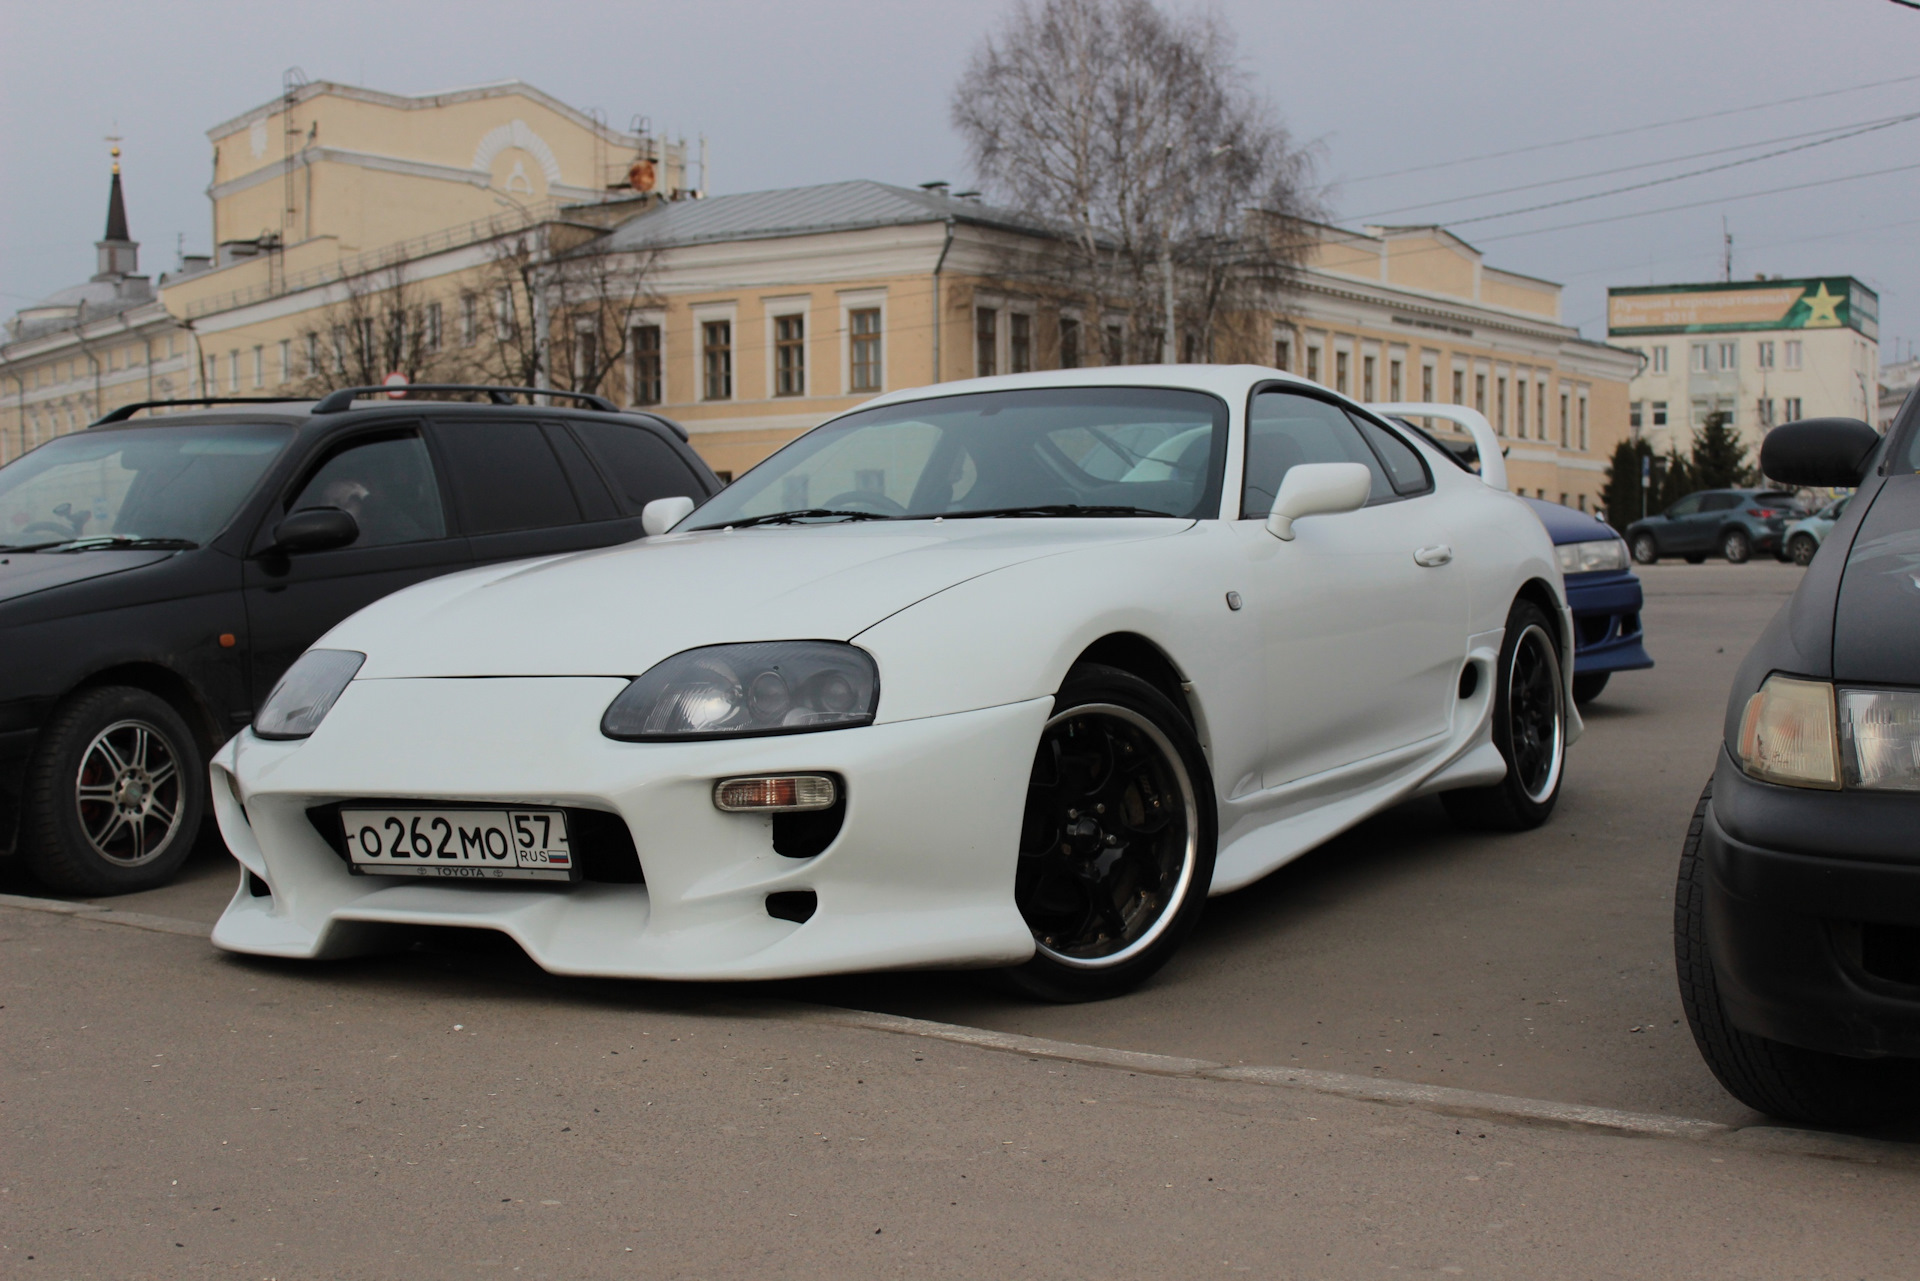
x,y
1797,919
159,573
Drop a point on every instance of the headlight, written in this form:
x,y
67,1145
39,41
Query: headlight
x,y
1583,558
306,693
767,687
1786,735
1880,738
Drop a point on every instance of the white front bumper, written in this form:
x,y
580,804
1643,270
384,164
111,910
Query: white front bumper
x,y
921,873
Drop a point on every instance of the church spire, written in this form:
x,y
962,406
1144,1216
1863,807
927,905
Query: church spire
x,y
119,254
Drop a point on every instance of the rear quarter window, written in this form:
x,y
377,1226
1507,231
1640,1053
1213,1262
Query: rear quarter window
x,y
640,464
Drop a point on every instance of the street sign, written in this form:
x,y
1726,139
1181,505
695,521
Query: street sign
x,y
395,379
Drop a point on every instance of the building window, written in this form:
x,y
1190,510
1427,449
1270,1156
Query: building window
x,y
1566,403
1426,384
1480,392
1540,409
986,342
286,360
1765,408
1019,343
1116,345
1659,413
1659,360
648,372
1313,363
312,354
1500,405
1583,424
1367,364
503,317
1729,355
718,345
432,326
586,355
469,320
865,371
259,366
1283,354
1393,380
1698,358
1763,355
233,370
1792,353
1459,386
1520,408
1069,343
1633,415
789,355
1792,402
1340,359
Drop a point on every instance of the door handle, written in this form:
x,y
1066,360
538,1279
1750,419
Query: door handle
x,y
1438,554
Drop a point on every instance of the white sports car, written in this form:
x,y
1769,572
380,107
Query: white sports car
x,y
1003,673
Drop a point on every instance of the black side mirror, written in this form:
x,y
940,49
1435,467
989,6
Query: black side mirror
x,y
315,529
1819,451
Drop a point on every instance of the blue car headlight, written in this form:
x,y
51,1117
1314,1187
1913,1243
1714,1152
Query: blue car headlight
x,y
304,696
737,691
1599,553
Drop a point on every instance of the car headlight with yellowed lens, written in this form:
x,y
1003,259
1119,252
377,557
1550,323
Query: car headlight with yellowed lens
x,y
1787,734
737,691
1598,554
304,696
1880,739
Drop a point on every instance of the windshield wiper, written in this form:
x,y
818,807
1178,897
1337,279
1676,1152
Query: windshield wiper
x,y
112,542
1058,509
788,518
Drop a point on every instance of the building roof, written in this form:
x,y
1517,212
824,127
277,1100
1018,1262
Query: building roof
x,y
804,211
116,211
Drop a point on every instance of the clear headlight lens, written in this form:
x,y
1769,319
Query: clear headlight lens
x,y
306,693
764,687
1582,558
1880,738
1787,734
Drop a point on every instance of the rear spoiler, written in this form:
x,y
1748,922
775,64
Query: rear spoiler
x,y
1493,462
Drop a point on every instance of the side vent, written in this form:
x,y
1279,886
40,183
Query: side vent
x,y
797,906
805,833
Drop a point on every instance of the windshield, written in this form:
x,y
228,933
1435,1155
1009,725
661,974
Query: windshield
x,y
135,483
1045,451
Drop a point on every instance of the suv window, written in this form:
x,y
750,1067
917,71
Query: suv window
x,y
1720,502
505,476
1285,429
643,466
386,483
1686,506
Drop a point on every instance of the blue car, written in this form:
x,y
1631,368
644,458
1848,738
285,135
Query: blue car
x,y
1603,593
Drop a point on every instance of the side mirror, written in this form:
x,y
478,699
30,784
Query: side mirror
x,y
315,529
1317,489
1819,451
662,514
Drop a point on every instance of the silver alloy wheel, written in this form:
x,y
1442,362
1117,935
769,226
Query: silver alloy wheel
x,y
1147,915
1536,713
127,793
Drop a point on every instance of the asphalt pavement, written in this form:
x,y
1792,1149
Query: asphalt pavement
x,y
451,1111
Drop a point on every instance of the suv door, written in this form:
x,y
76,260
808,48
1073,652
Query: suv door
x,y
385,478
527,488
1675,532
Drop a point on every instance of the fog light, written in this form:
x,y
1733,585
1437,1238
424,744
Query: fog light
x,y
784,793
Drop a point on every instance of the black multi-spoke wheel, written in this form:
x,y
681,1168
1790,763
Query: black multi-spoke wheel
x,y
1529,729
115,794
1117,842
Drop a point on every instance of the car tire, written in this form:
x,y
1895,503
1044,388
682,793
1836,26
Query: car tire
x,y
1769,1076
1118,769
1529,710
1801,549
1587,687
1736,546
115,794
1646,549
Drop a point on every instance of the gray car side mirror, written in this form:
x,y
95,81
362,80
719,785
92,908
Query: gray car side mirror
x,y
1317,489
1819,451
315,529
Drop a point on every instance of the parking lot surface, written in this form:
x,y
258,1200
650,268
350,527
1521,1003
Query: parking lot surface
x,y
453,1112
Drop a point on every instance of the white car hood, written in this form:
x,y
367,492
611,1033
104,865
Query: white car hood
x,y
617,611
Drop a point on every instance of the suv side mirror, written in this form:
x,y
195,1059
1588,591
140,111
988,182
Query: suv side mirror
x,y
315,529
1316,489
662,514
1819,451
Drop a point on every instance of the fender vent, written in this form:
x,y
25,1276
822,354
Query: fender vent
x,y
797,906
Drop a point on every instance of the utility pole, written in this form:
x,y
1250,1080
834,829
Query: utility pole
x,y
1166,274
1726,260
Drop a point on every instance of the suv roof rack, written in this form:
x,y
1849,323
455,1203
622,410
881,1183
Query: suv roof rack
x,y
335,402
121,413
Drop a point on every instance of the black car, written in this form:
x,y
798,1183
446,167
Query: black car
x,y
1734,523
1797,918
159,573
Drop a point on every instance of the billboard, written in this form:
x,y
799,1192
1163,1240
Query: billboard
x,y
1820,302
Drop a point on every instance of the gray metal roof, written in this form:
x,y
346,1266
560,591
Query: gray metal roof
x,y
801,211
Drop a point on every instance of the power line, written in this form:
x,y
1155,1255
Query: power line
x,y
1643,164
1617,133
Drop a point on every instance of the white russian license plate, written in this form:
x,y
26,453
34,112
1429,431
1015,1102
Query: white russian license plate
x,y
503,844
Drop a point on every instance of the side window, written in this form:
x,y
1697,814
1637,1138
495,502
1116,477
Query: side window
x,y
595,501
386,484
1404,468
642,466
1686,506
505,476
1285,429
1720,503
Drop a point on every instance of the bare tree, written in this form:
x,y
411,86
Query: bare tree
x,y
1137,137
382,325
559,304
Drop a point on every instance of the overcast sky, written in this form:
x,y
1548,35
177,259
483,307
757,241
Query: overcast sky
x,y
821,90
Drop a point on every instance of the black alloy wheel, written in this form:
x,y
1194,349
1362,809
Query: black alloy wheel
x,y
115,794
1800,551
1529,729
1117,841
1646,549
1769,1076
1736,546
